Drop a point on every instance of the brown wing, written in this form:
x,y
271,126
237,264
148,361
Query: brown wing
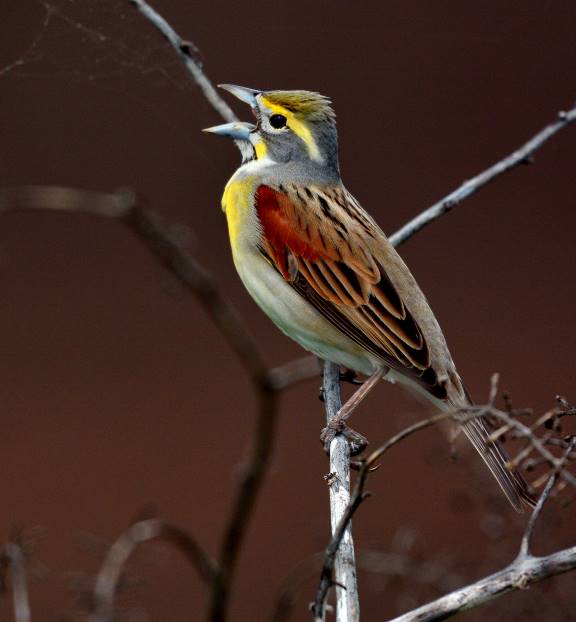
x,y
321,244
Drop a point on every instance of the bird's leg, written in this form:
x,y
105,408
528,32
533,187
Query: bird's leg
x,y
348,375
338,424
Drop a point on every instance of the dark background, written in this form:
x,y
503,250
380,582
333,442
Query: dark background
x,y
116,390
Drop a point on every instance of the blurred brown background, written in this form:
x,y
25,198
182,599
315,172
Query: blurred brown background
x,y
117,392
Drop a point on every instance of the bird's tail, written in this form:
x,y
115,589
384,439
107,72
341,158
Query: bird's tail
x,y
494,455
477,431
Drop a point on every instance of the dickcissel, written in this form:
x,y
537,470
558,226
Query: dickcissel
x,y
322,269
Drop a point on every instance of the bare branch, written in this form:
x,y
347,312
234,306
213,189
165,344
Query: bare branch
x,y
516,576
112,568
527,537
64,199
340,552
183,49
330,557
521,156
527,433
16,563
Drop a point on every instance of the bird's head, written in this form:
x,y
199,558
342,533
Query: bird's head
x,y
291,126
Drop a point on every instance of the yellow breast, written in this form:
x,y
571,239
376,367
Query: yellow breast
x,y
238,205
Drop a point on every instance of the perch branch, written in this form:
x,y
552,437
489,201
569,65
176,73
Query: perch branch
x,y
340,552
358,495
521,156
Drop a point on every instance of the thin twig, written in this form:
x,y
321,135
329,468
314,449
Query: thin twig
x,y
521,156
118,554
528,532
525,432
183,49
527,536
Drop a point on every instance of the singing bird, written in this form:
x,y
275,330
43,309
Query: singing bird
x,y
322,269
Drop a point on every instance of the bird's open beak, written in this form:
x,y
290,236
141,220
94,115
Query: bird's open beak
x,y
248,96
236,130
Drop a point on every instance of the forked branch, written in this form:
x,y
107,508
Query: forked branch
x,y
526,568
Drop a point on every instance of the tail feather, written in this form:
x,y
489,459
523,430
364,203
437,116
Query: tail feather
x,y
494,455
477,431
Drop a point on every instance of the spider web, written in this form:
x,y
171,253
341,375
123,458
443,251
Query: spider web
x,y
99,40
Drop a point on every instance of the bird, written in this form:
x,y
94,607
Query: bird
x,y
324,272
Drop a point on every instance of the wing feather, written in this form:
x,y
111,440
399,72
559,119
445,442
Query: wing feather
x,y
320,244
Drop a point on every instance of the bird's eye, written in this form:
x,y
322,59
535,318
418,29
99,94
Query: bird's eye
x,y
278,121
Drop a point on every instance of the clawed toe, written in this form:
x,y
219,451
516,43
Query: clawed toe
x,y
358,442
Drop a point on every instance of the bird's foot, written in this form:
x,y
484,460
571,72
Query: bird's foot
x,y
358,442
349,375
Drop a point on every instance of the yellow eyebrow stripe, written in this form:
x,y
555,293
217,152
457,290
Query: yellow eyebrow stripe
x,y
298,127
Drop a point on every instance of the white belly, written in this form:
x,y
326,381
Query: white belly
x,y
297,318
